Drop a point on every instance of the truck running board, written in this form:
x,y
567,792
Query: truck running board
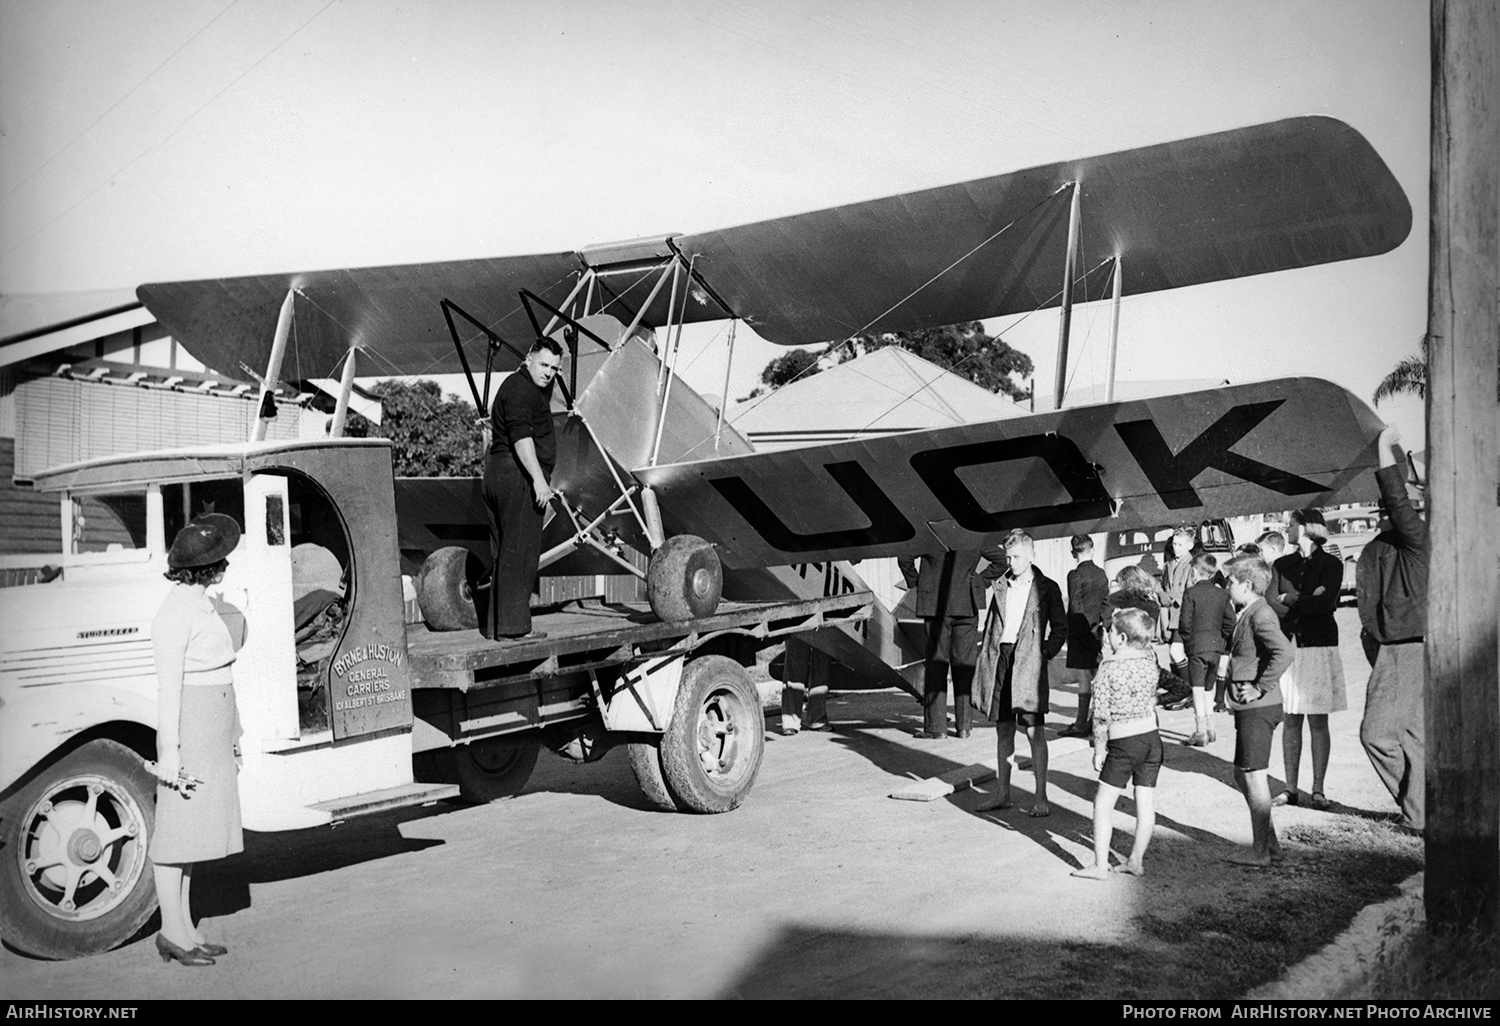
x,y
390,798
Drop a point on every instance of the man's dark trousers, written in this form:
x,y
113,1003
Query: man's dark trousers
x,y
516,546
952,646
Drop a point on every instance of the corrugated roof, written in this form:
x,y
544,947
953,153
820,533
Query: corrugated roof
x,y
885,391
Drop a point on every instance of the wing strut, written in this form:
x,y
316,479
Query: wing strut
x,y
1065,322
267,402
1114,330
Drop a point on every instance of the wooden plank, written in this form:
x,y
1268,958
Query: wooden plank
x,y
944,784
1463,439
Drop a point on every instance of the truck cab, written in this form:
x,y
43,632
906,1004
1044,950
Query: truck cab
x,y
313,596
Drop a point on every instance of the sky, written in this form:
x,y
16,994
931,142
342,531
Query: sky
x,y
197,138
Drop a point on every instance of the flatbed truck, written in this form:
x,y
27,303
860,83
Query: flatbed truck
x,y
346,707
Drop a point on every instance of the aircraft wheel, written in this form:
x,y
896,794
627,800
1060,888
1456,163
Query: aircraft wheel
x,y
445,589
490,769
645,763
74,876
684,579
712,747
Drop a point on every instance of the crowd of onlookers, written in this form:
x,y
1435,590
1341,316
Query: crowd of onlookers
x,y
1254,637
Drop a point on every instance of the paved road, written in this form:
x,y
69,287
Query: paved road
x,y
820,883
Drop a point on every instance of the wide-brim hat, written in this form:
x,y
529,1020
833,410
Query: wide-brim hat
x,y
208,539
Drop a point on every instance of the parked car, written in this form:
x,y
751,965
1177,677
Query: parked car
x,y
1123,548
1349,530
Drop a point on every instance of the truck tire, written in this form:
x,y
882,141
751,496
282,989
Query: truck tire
x,y
445,589
684,579
492,768
712,747
74,876
645,763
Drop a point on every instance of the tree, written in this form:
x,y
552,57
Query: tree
x,y
785,369
964,349
432,436
1408,378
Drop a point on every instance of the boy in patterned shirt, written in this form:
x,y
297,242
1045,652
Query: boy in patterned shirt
x,y
1127,745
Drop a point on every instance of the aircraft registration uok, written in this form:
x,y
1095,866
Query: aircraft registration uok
x,y
1287,194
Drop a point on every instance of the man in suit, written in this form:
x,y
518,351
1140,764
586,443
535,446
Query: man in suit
x,y
1025,626
950,593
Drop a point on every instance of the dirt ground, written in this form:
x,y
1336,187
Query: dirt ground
x,y
820,885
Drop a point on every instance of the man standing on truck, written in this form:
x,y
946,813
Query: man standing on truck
x,y
522,451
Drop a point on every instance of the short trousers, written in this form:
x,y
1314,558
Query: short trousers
x,y
1202,671
1135,759
1004,703
1252,736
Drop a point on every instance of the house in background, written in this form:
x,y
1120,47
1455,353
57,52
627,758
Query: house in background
x,y
92,374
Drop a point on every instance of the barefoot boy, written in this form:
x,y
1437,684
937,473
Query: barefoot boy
x,y
1127,745
1258,655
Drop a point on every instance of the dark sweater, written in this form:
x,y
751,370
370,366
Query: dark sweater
x,y
1391,579
1207,619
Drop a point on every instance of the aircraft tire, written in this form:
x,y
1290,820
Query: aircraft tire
x,y
445,589
684,579
712,748
93,808
645,763
490,769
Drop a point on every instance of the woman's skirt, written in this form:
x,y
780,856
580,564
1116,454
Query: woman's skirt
x,y
1315,683
204,823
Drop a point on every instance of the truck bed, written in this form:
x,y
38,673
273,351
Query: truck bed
x,y
590,633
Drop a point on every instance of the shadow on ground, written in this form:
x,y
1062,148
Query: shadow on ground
x,y
1218,941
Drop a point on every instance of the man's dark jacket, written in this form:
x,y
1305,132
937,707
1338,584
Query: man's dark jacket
x,y
951,583
1391,578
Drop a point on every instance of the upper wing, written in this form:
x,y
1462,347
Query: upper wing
x,y
1278,444
1270,197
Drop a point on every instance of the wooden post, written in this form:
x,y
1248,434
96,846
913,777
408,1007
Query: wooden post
x,y
1066,320
1463,470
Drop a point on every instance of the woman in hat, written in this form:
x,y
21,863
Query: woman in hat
x,y
197,796
1315,685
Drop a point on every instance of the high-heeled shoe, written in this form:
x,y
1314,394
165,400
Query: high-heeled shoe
x,y
211,950
187,956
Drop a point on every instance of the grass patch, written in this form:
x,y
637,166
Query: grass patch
x,y
1460,966
1262,922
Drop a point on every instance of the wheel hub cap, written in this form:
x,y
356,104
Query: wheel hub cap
x,y
702,581
84,847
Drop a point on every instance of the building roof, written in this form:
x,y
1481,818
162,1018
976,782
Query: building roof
x,y
881,393
36,324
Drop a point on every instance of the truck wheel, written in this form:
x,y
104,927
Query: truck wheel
x,y
491,769
712,747
445,589
684,579
645,763
74,877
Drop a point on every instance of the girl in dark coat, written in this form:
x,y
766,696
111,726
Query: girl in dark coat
x,y
1315,686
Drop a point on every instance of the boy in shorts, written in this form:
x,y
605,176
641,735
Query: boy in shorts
x,y
1127,744
1207,621
1258,655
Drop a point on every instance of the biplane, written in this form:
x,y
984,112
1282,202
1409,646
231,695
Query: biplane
x,y
645,462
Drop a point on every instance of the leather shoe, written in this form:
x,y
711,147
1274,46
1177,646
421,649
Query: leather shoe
x,y
926,735
962,734
187,956
211,950
532,636
820,728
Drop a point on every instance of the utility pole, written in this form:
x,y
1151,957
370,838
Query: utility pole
x,y
1463,478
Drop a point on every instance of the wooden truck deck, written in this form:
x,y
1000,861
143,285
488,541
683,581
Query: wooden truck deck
x,y
589,634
